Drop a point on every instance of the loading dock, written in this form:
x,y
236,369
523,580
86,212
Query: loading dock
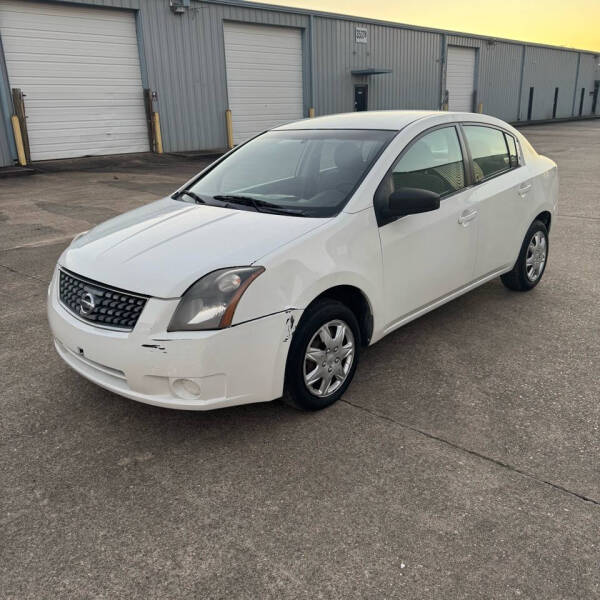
x,y
79,71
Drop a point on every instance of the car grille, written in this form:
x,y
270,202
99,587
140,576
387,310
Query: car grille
x,y
98,304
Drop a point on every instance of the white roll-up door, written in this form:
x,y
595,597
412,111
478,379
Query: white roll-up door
x,y
79,69
460,78
264,77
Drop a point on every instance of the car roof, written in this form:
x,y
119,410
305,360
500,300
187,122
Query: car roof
x,y
392,120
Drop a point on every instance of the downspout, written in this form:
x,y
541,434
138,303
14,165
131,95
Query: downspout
x,y
443,73
311,63
521,82
576,84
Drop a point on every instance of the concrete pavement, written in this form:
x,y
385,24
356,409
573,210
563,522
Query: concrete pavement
x,y
462,462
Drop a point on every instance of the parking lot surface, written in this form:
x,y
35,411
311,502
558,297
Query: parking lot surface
x,y
462,462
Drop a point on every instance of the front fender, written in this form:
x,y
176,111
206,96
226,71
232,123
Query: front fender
x,y
346,251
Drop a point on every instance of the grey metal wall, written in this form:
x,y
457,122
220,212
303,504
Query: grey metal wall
x,y
589,72
185,57
546,70
6,158
7,149
498,68
413,57
183,60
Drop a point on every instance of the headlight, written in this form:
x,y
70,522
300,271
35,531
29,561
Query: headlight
x,y
211,302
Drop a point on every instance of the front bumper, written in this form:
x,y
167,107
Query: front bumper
x,y
238,365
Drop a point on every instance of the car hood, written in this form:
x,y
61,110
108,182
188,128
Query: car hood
x,y
162,248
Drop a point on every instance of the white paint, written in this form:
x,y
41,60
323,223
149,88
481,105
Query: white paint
x,y
460,78
80,71
131,249
404,269
264,77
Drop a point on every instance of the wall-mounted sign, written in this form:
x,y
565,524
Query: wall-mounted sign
x,y
361,36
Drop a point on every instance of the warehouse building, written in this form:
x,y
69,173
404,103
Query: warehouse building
x,y
93,77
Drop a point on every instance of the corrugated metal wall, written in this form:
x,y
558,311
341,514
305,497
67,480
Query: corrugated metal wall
x,y
5,153
498,71
185,57
589,71
413,57
183,60
546,70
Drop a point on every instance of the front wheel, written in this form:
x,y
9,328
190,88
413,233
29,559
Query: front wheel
x,y
323,356
531,264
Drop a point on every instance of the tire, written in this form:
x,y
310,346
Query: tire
x,y
532,261
336,316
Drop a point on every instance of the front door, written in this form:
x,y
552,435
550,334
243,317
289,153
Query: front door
x,y
361,93
427,256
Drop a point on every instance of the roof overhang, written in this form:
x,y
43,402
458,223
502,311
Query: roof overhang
x,y
370,71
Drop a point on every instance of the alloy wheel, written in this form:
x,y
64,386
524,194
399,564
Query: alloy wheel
x,y
328,358
535,258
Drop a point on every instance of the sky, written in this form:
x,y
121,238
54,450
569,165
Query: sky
x,y
572,23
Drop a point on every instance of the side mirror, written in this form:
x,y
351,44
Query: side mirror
x,y
411,201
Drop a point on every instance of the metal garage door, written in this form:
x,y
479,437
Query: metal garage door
x,y
460,78
80,71
264,77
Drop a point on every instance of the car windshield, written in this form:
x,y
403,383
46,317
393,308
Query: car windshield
x,y
307,172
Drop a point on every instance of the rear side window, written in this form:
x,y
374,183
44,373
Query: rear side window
x,y
488,151
434,162
512,150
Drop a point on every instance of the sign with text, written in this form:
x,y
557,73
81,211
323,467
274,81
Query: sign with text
x,y
361,36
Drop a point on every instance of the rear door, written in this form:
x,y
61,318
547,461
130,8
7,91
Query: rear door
x,y
427,256
501,196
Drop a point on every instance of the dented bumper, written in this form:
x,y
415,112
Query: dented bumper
x,y
238,365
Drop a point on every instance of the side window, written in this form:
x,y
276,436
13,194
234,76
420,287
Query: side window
x,y
488,151
512,150
434,162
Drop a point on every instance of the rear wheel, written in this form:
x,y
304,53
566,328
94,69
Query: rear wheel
x,y
531,264
323,356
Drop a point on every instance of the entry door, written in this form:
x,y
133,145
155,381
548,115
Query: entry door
x,y
361,93
428,256
264,77
460,78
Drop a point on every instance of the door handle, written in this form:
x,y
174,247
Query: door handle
x,y
467,216
524,189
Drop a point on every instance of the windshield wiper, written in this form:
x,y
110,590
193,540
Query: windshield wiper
x,y
258,205
192,195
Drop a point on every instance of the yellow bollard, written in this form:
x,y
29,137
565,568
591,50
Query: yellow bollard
x,y
157,133
480,107
311,113
229,124
19,140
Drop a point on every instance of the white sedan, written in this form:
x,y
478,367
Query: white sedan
x,y
266,274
